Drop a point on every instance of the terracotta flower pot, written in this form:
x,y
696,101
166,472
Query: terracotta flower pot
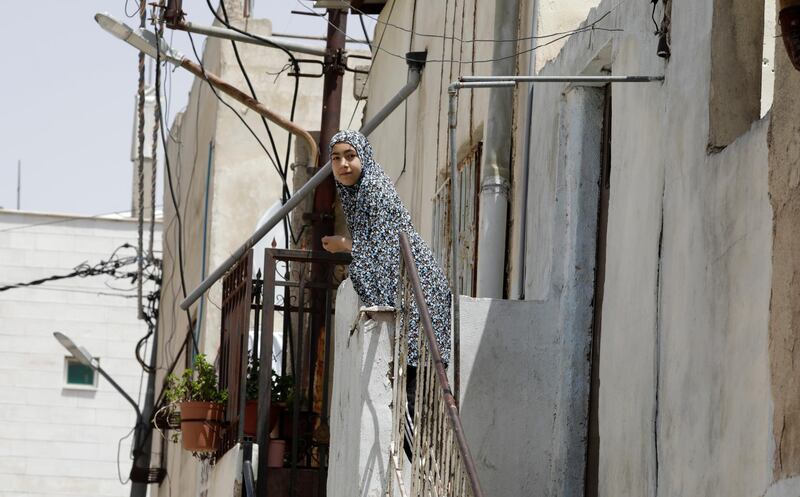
x,y
277,450
201,425
251,417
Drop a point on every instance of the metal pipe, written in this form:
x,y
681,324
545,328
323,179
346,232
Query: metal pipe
x,y
452,122
495,168
414,77
517,283
320,38
482,84
253,104
230,34
562,79
119,389
436,357
143,436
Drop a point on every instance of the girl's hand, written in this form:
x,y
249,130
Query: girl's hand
x,y
337,243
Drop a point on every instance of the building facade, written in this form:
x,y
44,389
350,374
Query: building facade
x,y
648,269
65,430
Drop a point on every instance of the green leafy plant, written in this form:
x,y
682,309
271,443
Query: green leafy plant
x,y
282,386
251,384
198,384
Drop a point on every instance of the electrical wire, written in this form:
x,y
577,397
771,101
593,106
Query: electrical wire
x,y
253,36
140,165
172,194
154,149
138,6
369,71
364,29
229,106
250,86
111,267
119,449
285,192
456,38
560,36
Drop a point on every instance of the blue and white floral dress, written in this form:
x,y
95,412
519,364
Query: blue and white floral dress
x,y
376,217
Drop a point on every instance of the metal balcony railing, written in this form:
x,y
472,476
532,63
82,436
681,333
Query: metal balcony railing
x,y
441,463
254,311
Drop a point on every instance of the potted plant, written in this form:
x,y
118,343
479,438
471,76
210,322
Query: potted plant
x,y
281,389
251,397
201,404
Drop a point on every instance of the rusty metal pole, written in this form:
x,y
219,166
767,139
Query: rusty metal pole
x,y
322,220
325,194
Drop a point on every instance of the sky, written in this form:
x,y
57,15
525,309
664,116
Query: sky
x,y
69,98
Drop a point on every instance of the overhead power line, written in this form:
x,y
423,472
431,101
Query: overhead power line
x,y
111,267
556,37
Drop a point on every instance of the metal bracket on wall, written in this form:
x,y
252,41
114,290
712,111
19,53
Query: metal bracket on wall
x,y
292,72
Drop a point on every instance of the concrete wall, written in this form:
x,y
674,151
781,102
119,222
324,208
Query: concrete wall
x,y
684,404
784,179
56,439
361,401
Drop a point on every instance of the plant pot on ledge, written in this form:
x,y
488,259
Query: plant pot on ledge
x,y
251,417
280,388
277,451
201,425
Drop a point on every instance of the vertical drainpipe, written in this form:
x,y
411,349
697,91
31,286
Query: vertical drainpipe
x,y
496,161
517,290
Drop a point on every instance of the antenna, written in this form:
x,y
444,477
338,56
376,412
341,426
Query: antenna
x,y
19,180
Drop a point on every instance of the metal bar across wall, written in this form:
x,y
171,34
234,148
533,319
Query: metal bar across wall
x,y
415,65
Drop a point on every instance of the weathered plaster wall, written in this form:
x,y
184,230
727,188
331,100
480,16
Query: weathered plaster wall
x,y
188,153
525,365
683,406
784,180
411,145
507,394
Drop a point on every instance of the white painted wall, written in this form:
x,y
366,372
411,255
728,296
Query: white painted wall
x,y
361,412
57,440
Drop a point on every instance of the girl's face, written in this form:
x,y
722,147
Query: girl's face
x,y
346,164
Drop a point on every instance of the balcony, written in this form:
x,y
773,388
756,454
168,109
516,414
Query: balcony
x,y
346,434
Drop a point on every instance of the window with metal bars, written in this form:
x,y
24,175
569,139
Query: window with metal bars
x,y
468,184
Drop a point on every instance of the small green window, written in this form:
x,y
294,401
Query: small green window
x,y
79,374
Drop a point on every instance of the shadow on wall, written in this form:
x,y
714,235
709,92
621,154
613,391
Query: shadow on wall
x,y
508,392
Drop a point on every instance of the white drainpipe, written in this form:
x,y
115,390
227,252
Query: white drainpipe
x,y
496,161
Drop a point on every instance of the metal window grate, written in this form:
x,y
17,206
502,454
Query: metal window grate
x,y
468,179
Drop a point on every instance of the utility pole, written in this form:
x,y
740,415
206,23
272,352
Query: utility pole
x,y
325,194
19,180
322,218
